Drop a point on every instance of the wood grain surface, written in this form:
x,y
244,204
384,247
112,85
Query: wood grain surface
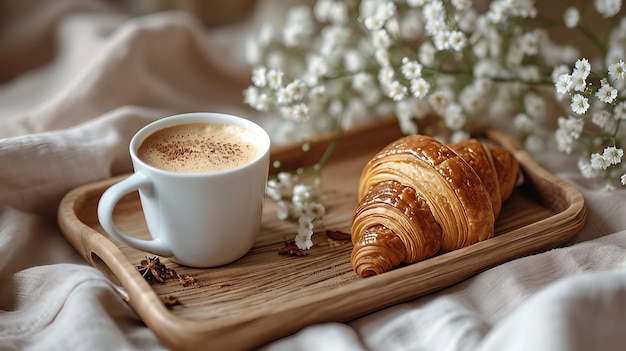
x,y
265,296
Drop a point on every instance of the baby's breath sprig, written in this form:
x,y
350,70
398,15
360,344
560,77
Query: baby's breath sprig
x,y
333,65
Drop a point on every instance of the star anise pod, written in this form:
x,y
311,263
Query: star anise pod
x,y
153,270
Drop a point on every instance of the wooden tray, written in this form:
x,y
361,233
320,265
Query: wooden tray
x,y
265,296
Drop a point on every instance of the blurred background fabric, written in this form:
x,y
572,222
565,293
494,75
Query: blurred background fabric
x,y
79,77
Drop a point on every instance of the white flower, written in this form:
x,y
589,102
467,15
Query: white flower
x,y
457,41
397,91
579,82
586,170
386,76
534,105
599,161
427,53
299,112
623,179
582,67
617,70
353,60
563,84
523,122
571,17
607,8
411,69
317,65
453,117
386,10
374,22
338,13
305,232
382,57
613,155
282,210
274,78
362,82
440,100
381,39
296,89
259,77
442,40
606,93
600,118
529,43
580,104
263,102
619,112
318,94
321,9
250,95
564,141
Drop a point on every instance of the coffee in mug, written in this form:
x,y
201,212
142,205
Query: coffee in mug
x,y
199,148
201,179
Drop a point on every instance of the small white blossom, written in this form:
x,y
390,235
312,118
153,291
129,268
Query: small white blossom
x,y
523,122
274,78
454,117
580,104
606,93
282,210
457,41
613,155
386,76
623,179
381,39
586,170
411,69
600,118
571,17
250,95
338,12
374,22
579,82
299,112
607,8
564,141
362,82
582,67
534,105
305,232
617,70
318,94
563,84
440,100
619,112
599,161
397,91
427,53
263,102
296,89
259,76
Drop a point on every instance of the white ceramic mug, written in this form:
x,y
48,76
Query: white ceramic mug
x,y
199,220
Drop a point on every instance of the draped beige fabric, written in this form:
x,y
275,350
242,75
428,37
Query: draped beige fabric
x,y
79,77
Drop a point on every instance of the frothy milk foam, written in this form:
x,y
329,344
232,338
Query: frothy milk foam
x,y
199,148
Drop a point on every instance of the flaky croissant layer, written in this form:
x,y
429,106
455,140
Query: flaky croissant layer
x,y
419,197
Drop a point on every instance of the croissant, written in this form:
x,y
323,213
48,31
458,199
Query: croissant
x,y
419,197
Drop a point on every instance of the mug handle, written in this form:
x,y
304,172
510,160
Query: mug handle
x,y
107,203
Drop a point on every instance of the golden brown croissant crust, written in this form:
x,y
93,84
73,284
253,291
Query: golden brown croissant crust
x,y
419,197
